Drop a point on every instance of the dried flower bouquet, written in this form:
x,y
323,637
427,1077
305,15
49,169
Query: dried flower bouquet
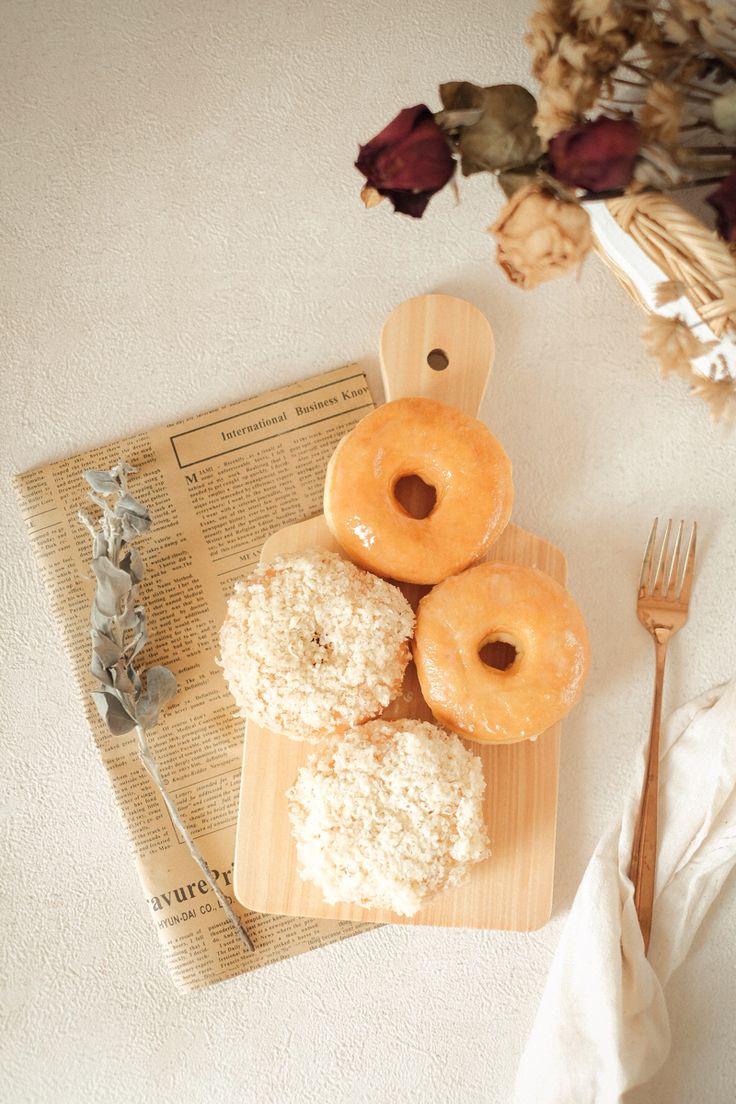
x,y
636,100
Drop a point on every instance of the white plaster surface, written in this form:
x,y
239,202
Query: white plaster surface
x,y
180,228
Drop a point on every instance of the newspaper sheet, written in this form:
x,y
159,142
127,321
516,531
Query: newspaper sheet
x,y
217,486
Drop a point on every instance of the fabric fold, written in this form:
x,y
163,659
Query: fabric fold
x,y
602,1026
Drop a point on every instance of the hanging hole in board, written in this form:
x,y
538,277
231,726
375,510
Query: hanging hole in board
x,y
437,360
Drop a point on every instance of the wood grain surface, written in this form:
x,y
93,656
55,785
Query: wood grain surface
x,y
513,888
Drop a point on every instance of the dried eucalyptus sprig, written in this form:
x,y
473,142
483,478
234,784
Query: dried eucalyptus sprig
x,y
118,632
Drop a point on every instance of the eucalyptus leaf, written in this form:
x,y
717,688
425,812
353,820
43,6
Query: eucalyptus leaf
x,y
129,505
100,622
133,526
112,585
140,635
106,650
132,562
160,688
135,680
100,670
98,501
128,618
122,680
111,709
103,482
504,136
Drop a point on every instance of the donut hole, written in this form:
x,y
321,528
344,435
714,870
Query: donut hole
x,y
437,360
498,652
416,498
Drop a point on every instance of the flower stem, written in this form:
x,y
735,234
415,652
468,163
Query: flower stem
x,y
144,754
616,193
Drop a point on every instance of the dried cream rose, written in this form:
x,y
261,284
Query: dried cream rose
x,y
539,236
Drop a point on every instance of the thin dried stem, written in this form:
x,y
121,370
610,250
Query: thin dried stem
x,y
146,758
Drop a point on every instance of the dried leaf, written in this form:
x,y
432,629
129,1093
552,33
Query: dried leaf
x,y
112,585
99,670
160,688
112,711
123,679
99,546
140,636
98,500
459,117
107,651
134,516
138,644
101,481
127,619
132,562
135,679
99,621
133,526
163,683
129,505
504,136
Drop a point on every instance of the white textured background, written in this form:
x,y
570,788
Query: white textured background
x,y
180,228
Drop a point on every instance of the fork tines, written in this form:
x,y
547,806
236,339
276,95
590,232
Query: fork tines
x,y
666,580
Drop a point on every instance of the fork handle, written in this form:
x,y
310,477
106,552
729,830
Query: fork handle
x,y
644,852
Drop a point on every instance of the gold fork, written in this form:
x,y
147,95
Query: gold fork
x,y
662,609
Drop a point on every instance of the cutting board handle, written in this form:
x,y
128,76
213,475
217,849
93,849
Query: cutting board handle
x,y
439,347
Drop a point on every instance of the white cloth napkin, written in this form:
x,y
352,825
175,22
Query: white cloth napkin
x,y
602,1025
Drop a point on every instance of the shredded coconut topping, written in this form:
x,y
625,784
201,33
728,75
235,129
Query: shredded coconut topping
x,y
389,814
312,644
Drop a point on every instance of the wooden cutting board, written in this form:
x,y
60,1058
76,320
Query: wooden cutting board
x,y
513,889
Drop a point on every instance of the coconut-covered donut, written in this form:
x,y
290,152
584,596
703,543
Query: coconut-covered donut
x,y
312,644
388,815
520,606
451,452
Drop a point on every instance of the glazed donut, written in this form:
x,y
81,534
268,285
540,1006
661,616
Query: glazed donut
x,y
455,454
312,644
522,607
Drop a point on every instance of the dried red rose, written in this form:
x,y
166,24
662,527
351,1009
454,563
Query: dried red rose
x,y
598,156
723,202
408,161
